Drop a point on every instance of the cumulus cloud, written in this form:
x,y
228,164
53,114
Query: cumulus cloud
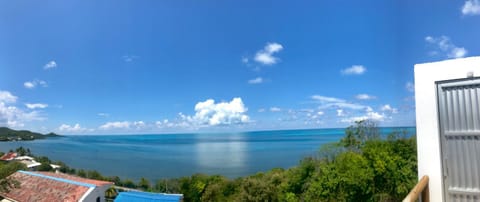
x,y
50,65
7,97
265,56
209,113
34,83
374,116
443,46
36,105
388,108
275,109
365,97
257,80
72,128
354,70
115,125
12,116
471,7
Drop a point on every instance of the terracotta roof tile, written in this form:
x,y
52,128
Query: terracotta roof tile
x,y
8,156
38,186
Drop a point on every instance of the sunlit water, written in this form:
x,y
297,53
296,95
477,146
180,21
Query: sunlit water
x,y
175,155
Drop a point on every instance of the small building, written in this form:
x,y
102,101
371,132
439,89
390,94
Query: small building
x,y
447,97
28,161
9,156
137,196
48,186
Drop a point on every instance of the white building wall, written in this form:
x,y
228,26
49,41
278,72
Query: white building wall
x,y
97,192
428,141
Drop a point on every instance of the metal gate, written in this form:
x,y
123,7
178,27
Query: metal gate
x,y
459,121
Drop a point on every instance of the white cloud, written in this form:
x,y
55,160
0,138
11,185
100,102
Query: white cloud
x,y
365,97
7,97
72,129
261,110
340,112
36,105
410,86
443,46
265,56
388,108
275,109
12,116
103,114
129,58
471,7
354,70
326,99
245,60
209,113
35,83
115,125
320,113
374,116
327,102
257,80
139,124
50,65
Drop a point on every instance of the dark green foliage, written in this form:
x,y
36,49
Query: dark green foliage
x,y
144,184
44,167
7,169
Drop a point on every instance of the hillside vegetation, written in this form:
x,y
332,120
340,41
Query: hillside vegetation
x,y
7,134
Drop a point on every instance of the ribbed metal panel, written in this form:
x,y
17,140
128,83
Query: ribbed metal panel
x,y
459,109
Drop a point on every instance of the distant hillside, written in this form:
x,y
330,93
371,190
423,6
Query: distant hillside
x,y
7,134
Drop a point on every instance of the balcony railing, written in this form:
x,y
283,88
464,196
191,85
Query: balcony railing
x,y
421,189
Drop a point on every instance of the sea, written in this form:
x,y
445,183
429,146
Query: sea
x,y
160,156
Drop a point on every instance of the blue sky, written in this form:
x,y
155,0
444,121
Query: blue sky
x,y
89,67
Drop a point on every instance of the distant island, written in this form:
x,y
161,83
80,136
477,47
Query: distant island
x,y
7,134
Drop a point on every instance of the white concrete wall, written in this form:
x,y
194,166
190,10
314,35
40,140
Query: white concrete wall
x,y
97,192
428,141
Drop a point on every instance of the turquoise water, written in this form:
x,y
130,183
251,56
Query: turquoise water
x,y
175,155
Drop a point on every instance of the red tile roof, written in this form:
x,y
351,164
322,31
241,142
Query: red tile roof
x,y
47,187
8,156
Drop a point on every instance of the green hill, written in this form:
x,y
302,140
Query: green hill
x,y
7,134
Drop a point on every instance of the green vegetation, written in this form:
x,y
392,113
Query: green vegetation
x,y
362,166
7,134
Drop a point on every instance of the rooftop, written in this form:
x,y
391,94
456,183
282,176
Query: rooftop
x,y
147,197
45,186
8,156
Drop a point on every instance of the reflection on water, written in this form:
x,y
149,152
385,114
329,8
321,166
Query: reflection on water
x,y
228,154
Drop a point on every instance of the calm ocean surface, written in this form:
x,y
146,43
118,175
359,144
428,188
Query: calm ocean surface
x,y
176,155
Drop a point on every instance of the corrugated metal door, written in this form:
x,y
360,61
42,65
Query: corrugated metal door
x,y
459,111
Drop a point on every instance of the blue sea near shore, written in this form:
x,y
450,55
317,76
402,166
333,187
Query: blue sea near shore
x,y
176,155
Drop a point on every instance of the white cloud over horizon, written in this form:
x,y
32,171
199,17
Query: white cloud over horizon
x,y
115,125
209,113
443,46
50,65
471,7
12,116
73,128
265,56
354,70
